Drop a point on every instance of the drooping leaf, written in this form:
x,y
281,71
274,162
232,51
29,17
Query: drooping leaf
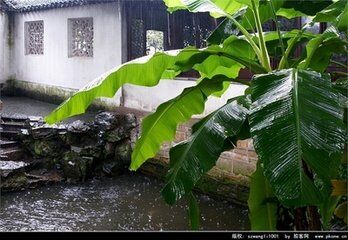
x,y
209,67
285,8
320,49
295,116
145,71
160,126
237,9
193,211
262,203
336,13
190,159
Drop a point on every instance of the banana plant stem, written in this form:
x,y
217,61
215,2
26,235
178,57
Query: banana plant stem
x,y
265,57
338,63
277,27
248,37
284,60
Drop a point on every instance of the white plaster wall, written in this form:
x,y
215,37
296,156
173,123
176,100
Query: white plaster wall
x,y
4,48
148,98
54,67
57,69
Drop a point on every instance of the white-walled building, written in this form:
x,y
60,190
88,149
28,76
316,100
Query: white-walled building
x,y
51,48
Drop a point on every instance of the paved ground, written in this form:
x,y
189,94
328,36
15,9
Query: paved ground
x,y
22,106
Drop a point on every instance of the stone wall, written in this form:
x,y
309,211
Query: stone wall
x,y
73,152
239,161
228,180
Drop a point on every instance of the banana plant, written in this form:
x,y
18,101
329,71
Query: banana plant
x,y
291,110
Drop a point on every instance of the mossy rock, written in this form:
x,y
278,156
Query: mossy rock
x,y
75,167
14,183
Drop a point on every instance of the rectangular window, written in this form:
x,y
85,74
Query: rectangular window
x,y
151,28
80,37
34,37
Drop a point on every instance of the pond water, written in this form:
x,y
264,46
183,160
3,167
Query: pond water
x,y
127,202
23,107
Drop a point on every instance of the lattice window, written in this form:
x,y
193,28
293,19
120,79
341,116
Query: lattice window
x,y
154,41
34,38
189,35
137,43
80,37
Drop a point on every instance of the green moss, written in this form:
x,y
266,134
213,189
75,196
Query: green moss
x,y
14,183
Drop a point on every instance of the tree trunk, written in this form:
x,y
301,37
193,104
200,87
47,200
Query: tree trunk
x,y
314,222
301,223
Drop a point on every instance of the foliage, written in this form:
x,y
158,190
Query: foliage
x,y
194,157
293,113
284,102
168,116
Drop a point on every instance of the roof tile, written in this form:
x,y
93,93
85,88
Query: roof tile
x,y
32,5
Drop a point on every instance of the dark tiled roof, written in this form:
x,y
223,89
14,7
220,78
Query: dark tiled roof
x,y
32,5
3,6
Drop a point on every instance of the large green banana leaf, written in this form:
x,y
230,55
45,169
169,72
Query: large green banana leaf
x,y
145,71
190,159
148,71
295,116
286,8
217,8
160,126
262,203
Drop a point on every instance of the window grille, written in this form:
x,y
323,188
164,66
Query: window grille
x,y
34,38
80,37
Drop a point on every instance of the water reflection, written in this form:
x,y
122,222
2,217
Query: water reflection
x,y
129,202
